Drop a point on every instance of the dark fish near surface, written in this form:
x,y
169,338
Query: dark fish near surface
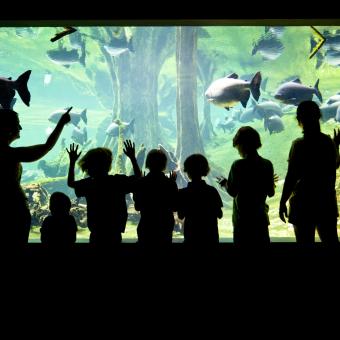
x,y
75,117
273,124
66,58
76,40
293,92
332,57
119,46
9,86
277,30
269,46
79,136
128,128
228,91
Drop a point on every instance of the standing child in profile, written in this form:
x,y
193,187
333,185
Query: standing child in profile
x,y
199,204
60,228
104,193
251,180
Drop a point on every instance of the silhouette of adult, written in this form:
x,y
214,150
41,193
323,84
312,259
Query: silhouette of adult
x,y
250,181
199,204
14,212
310,180
60,228
156,199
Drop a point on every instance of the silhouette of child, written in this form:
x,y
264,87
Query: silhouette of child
x,y
310,181
156,198
14,210
199,204
60,228
104,193
250,181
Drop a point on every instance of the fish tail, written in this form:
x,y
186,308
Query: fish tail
x,y
255,86
317,91
21,87
83,116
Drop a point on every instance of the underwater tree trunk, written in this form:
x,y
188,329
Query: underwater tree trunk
x,y
206,69
188,134
138,81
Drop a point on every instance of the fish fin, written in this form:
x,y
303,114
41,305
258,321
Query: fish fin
x,y
296,80
84,116
245,98
317,91
232,75
255,86
21,87
227,108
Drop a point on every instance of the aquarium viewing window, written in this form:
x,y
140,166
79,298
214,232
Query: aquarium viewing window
x,y
123,82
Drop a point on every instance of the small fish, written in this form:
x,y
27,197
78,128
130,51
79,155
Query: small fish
x,y
119,46
79,136
75,117
67,30
66,58
269,46
273,124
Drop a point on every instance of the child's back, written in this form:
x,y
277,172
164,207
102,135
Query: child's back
x,y
60,228
199,204
106,205
156,198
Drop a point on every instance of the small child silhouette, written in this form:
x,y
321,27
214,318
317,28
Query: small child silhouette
x,y
199,204
60,228
156,199
104,193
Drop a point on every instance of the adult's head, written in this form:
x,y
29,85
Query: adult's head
x,y
156,160
9,126
60,204
247,140
308,115
196,166
96,162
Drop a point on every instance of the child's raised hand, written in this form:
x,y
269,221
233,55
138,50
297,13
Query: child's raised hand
x,y
73,153
129,148
173,175
222,181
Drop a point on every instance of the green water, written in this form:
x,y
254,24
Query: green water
x,y
229,47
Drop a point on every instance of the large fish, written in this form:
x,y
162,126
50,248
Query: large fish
x,y
332,57
9,86
293,92
277,30
228,91
75,117
66,58
267,109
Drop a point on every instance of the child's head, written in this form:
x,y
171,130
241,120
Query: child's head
x,y
96,161
196,166
247,140
308,115
156,160
60,204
